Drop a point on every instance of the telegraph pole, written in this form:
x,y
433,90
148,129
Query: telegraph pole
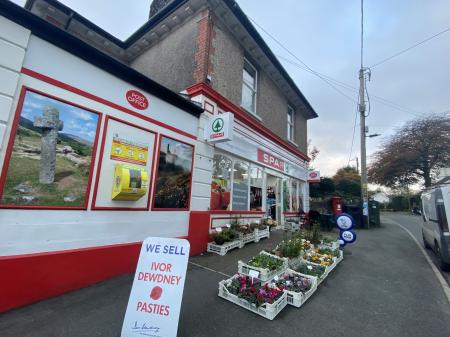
x,y
362,111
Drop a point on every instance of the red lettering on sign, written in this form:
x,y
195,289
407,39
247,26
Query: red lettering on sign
x,y
137,100
270,160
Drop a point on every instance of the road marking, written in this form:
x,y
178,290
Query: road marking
x,y
444,285
209,269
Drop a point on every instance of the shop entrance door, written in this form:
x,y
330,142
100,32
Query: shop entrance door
x,y
274,201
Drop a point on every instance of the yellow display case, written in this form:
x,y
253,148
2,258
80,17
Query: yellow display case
x,y
130,182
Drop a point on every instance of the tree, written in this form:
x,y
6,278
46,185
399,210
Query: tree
x,y
313,152
348,182
414,153
324,188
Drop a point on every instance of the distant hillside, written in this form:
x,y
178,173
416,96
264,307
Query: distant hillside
x,y
80,146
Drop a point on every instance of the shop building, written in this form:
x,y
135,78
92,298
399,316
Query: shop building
x,y
82,99
210,51
95,157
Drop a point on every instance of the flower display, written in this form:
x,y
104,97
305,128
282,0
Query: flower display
x,y
328,251
266,261
252,290
310,269
324,260
223,236
293,282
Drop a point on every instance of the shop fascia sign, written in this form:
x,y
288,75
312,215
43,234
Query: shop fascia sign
x,y
271,160
314,177
219,128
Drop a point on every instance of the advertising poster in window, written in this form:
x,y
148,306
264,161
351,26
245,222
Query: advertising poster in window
x,y
174,174
221,183
52,153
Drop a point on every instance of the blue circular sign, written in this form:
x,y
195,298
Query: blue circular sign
x,y
348,236
345,222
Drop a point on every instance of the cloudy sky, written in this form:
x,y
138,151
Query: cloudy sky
x,y
325,34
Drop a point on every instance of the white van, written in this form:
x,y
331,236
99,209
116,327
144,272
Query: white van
x,y
435,230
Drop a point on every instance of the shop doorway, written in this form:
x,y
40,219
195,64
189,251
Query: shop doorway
x,y
274,197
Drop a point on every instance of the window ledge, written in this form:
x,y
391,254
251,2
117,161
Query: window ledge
x,y
292,142
252,113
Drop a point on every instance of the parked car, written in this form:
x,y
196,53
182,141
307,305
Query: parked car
x,y
435,230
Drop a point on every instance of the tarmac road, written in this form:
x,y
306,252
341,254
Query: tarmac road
x,y
384,287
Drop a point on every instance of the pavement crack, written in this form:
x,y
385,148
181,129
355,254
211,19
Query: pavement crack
x,y
209,269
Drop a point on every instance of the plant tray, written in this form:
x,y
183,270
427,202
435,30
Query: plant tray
x,y
262,233
324,275
247,238
340,257
291,226
333,245
294,262
264,274
266,310
223,249
297,299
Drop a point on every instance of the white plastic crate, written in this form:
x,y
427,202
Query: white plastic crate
x,y
297,299
266,310
223,249
324,275
262,233
291,226
246,238
333,245
340,257
294,262
264,274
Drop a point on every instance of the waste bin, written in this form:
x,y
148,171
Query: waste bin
x,y
356,213
374,213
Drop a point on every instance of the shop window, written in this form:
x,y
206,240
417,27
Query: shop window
x,y
240,197
256,184
50,161
249,87
221,183
290,123
174,174
286,195
294,192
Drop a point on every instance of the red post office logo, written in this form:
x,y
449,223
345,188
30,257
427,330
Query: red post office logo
x,y
137,100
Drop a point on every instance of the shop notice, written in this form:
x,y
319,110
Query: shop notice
x,y
154,305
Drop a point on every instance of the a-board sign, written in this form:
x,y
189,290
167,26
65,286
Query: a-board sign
x,y
155,300
348,236
344,221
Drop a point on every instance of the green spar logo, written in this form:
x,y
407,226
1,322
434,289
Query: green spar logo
x,y
217,125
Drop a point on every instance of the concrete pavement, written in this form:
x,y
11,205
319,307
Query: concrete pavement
x,y
384,287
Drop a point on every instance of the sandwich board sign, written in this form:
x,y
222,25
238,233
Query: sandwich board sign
x,y
155,300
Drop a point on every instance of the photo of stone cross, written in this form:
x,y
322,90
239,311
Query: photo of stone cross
x,y
50,124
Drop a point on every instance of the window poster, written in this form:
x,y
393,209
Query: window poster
x,y
174,174
52,153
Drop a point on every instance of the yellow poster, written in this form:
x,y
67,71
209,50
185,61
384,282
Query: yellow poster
x,y
128,151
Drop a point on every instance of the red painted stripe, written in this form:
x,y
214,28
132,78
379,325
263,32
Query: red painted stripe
x,y
29,278
83,93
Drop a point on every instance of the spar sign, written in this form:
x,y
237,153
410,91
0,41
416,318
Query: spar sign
x,y
219,128
155,300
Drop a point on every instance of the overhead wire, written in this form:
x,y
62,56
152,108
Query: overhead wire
x,y
409,48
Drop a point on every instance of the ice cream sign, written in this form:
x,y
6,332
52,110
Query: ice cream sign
x,y
155,300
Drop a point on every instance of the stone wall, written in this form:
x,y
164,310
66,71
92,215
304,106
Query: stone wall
x,y
171,61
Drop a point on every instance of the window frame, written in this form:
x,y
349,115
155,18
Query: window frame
x,y
253,89
290,124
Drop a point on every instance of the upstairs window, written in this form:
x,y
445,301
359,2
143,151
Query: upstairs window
x,y
249,87
290,124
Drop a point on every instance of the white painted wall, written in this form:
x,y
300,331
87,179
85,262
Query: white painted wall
x,y
13,45
30,231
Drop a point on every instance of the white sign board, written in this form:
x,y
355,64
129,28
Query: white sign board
x,y
314,176
344,222
219,128
155,300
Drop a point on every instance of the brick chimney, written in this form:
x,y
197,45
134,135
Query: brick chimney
x,y
157,5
